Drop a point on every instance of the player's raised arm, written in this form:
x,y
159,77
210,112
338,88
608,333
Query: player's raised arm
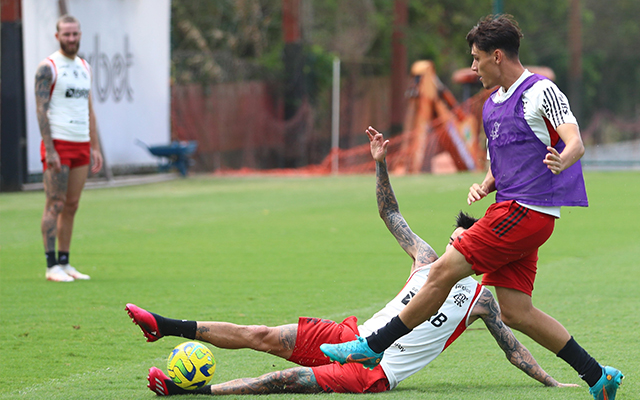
x,y
487,309
417,248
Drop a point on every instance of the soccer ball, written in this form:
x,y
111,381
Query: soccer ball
x,y
191,365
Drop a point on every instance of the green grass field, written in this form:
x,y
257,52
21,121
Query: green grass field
x,y
266,250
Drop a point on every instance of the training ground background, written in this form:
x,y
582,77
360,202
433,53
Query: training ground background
x,y
265,250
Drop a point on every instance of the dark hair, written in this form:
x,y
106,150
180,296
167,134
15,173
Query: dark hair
x,y
496,32
464,220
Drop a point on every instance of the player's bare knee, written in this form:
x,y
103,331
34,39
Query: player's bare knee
x,y
54,206
71,207
513,318
507,319
259,337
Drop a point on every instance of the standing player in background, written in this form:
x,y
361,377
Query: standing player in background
x,y
534,146
69,141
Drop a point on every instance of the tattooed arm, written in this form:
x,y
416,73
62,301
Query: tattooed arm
x,y
417,248
487,308
293,380
44,83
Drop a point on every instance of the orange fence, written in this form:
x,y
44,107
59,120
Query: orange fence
x,y
240,127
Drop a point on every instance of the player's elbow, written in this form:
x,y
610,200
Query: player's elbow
x,y
387,214
581,150
576,146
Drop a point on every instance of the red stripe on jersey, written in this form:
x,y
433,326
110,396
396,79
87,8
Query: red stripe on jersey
x,y
553,134
463,324
85,65
410,276
55,69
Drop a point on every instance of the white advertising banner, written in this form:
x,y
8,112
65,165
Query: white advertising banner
x,y
126,42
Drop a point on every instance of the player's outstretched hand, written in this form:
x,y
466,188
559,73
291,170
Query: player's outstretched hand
x,y
378,144
567,385
476,192
553,160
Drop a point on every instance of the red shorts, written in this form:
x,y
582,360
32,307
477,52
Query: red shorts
x,y
331,376
72,154
503,245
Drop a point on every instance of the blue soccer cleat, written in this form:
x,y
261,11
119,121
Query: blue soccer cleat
x,y
607,386
355,351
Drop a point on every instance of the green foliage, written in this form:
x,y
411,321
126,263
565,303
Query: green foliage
x,y
265,250
611,45
224,40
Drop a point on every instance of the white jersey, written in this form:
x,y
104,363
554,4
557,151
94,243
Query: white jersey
x,y
542,101
69,106
545,109
424,343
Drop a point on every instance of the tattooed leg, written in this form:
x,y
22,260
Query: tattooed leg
x,y
55,188
293,380
487,308
278,341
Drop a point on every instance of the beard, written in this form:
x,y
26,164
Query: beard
x,y
70,49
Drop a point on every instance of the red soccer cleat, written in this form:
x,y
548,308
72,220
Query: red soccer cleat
x,y
145,320
158,382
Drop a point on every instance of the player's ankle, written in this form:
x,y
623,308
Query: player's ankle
x,y
176,327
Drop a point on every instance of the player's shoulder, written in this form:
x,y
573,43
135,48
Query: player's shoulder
x,y
45,68
543,86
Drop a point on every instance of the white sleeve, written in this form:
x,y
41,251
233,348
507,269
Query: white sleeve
x,y
544,99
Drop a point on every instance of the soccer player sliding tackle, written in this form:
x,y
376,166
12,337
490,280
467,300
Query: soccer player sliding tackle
x,y
300,343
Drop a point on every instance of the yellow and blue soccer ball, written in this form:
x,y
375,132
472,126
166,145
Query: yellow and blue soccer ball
x,y
191,365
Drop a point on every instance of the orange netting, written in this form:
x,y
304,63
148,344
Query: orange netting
x,y
239,126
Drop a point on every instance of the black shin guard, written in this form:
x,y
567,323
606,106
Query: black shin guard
x,y
63,257
176,327
51,259
174,389
586,366
381,340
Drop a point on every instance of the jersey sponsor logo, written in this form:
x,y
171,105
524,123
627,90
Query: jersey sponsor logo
x,y
462,287
73,93
399,347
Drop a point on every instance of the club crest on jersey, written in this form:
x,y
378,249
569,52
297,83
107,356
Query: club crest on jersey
x,y
494,132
